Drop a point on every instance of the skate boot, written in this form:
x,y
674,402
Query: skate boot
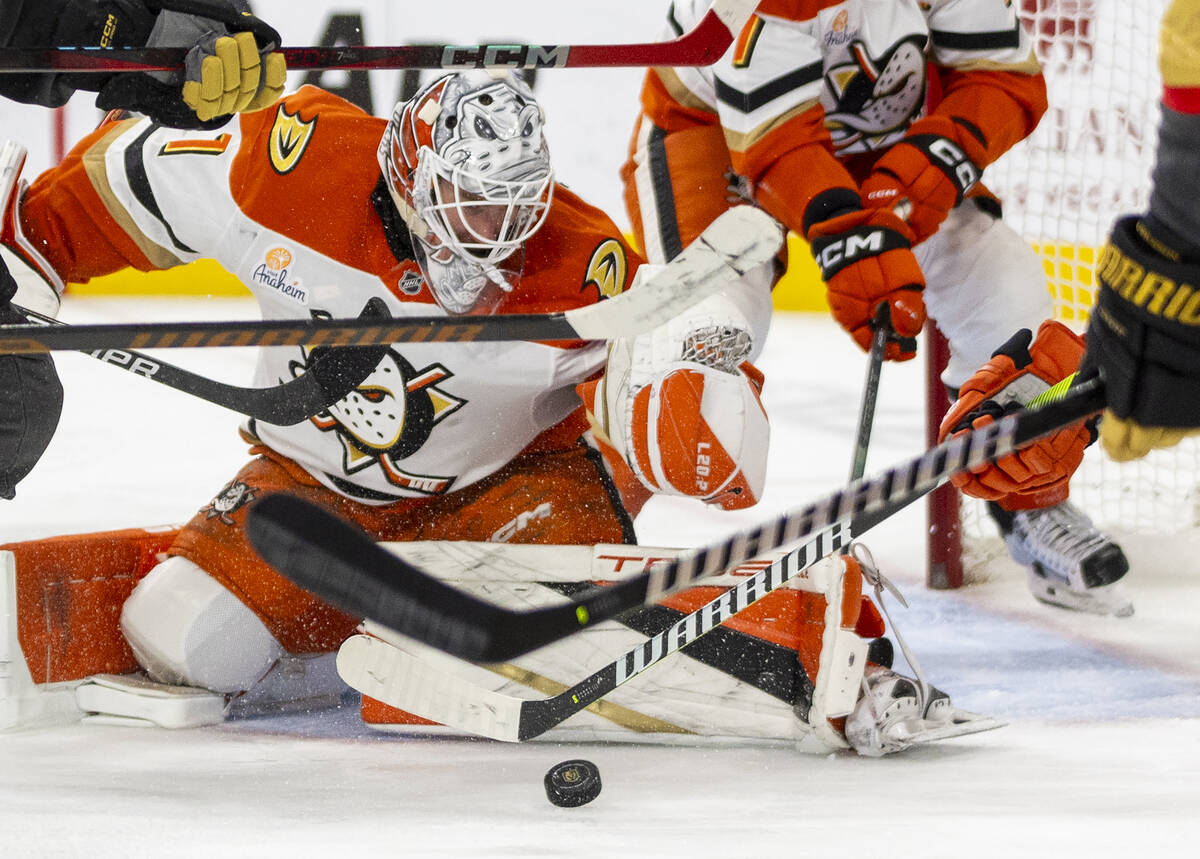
x,y
1071,563
893,714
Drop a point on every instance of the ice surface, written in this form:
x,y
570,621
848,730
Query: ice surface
x,y
1101,757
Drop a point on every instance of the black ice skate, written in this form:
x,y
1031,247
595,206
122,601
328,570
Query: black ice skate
x,y
1071,563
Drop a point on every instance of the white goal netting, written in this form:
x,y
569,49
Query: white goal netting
x,y
1088,162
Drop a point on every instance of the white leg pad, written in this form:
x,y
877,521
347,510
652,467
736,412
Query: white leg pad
x,y
186,629
23,703
134,700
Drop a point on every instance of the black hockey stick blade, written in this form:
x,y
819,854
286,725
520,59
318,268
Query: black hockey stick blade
x,y
703,45
343,565
328,379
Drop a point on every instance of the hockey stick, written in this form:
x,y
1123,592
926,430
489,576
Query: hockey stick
x,y
866,411
340,563
383,672
326,380
703,45
739,240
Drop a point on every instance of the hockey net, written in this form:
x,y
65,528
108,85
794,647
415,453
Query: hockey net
x,y
1088,162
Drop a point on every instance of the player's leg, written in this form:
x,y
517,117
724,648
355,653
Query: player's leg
x,y
983,282
694,159
805,663
212,628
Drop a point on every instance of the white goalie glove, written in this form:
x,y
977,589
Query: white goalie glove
x,y
680,404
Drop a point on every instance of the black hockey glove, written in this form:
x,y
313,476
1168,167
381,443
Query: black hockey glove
x,y
1144,337
233,64
30,401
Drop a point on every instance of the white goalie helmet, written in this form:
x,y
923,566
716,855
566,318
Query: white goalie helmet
x,y
467,166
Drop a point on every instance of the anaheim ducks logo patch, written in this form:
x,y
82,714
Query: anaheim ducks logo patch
x,y
388,418
234,496
607,268
289,138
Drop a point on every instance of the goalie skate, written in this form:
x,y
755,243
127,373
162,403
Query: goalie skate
x,y
895,714
1071,563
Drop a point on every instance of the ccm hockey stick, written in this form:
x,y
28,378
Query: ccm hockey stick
x,y
328,379
340,563
739,240
703,45
376,668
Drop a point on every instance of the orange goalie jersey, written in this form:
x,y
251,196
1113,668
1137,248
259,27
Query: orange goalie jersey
x,y
826,86
290,200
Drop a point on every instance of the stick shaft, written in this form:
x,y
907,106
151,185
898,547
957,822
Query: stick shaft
x,y
703,45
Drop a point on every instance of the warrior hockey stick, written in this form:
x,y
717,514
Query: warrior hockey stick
x,y
390,675
703,45
739,240
340,563
326,380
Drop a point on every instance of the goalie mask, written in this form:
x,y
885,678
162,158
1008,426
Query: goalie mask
x,y
467,166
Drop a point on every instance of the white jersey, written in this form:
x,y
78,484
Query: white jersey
x,y
283,200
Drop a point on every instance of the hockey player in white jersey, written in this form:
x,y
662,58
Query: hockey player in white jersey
x,y
865,127
452,204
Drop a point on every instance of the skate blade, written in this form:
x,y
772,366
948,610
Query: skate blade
x,y
961,723
1104,600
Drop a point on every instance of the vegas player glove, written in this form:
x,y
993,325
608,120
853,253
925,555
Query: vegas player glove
x,y
31,397
926,174
866,259
1038,475
233,64
1144,337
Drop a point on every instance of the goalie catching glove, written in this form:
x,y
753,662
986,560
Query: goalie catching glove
x,y
679,405
926,174
234,64
1038,475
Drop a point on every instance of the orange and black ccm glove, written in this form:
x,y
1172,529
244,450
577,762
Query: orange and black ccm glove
x,y
1038,475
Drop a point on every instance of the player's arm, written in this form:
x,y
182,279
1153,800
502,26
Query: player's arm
x,y
992,96
134,195
782,148
1144,334
233,64
679,406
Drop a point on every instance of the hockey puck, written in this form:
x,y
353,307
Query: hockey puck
x,y
572,783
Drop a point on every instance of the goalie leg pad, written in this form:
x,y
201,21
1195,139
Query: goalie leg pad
x,y
135,701
59,603
186,629
69,593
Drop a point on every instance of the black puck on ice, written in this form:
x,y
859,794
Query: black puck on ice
x,y
572,783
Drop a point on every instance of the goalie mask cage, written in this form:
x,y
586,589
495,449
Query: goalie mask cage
x,y
1088,161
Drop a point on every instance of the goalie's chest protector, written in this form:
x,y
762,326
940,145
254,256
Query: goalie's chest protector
x,y
290,214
